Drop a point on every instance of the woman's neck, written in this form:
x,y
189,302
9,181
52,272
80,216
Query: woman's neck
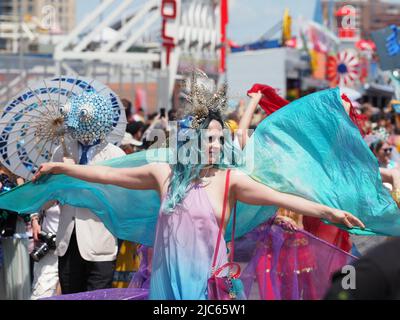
x,y
206,171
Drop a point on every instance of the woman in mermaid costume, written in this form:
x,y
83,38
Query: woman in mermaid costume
x,y
176,208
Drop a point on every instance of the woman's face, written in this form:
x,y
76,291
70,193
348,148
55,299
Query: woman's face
x,y
382,123
384,154
214,142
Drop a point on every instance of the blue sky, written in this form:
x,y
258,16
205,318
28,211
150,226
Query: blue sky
x,y
252,18
249,19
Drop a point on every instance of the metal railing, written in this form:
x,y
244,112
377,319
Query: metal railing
x,y
17,72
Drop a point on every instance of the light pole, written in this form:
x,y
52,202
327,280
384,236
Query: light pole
x,y
20,32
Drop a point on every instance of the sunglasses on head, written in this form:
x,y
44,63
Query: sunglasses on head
x,y
388,150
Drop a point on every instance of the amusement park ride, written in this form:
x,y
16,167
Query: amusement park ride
x,y
157,41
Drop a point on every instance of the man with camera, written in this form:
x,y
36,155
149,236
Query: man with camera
x,y
45,270
85,251
44,229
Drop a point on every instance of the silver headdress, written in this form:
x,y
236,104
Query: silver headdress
x,y
204,97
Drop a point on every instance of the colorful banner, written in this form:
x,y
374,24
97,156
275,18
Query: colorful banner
x,y
318,65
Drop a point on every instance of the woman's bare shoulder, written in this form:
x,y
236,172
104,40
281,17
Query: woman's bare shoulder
x,y
235,175
162,172
161,169
239,177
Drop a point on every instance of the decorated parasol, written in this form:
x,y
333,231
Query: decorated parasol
x,y
33,123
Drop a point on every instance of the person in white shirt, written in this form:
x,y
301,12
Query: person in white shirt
x,y
87,251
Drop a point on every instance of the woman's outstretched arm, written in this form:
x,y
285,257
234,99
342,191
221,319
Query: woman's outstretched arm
x,y
247,116
144,177
391,176
247,190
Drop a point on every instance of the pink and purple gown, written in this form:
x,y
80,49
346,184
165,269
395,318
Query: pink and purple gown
x,y
183,249
187,235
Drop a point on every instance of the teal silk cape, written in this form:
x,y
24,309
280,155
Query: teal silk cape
x,y
309,148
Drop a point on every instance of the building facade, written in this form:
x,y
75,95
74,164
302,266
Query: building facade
x,y
355,19
58,14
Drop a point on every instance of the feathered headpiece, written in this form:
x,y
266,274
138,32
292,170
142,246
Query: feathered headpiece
x,y
203,97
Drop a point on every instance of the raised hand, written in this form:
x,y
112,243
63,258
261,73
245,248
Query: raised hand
x,y
286,223
256,95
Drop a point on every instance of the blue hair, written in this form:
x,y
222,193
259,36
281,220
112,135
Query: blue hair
x,y
184,174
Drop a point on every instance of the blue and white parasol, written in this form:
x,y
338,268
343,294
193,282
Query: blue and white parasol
x,y
33,124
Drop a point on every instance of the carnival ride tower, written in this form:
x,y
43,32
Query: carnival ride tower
x,y
160,39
